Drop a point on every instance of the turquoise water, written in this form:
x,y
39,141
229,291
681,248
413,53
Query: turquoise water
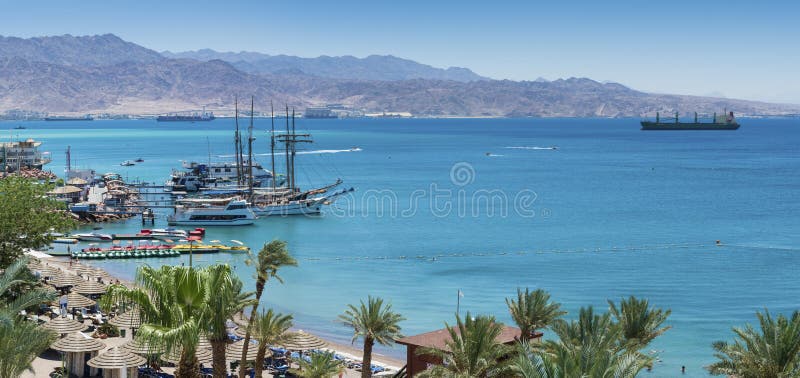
x,y
612,212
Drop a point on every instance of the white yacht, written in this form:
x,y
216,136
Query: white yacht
x,y
228,212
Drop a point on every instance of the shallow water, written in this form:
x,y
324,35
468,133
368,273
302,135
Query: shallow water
x,y
443,205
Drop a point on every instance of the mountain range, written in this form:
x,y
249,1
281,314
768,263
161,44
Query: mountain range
x,y
105,74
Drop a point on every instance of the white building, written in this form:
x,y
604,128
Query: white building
x,y
23,154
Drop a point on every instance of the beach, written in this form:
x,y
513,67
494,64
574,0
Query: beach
x,y
45,363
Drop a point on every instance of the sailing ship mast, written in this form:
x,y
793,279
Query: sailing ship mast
x,y
290,140
250,151
236,143
272,145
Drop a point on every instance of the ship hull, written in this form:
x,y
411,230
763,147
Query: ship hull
x,y
688,126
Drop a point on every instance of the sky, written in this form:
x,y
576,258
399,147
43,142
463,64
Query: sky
x,y
737,49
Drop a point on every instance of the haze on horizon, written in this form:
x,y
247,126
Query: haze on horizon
x,y
738,49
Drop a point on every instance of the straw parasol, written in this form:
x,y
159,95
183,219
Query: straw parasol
x,y
64,280
83,270
77,181
66,189
116,358
75,300
301,341
75,345
62,325
129,319
233,351
49,271
241,331
90,288
139,345
203,356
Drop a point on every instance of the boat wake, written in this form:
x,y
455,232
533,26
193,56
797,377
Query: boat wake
x,y
354,149
532,148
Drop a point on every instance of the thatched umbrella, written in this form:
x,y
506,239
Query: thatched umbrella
x,y
77,181
302,341
139,345
64,280
233,351
76,345
75,300
83,270
114,360
49,271
241,331
90,288
203,355
130,319
63,325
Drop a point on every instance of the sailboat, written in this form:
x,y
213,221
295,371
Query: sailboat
x,y
290,200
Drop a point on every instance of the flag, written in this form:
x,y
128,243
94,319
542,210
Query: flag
x,y
460,293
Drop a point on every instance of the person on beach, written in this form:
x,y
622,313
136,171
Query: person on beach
x,y
63,304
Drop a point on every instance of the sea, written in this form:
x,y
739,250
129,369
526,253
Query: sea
x,y
453,215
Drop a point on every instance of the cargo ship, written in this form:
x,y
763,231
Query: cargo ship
x,y
86,118
194,117
719,122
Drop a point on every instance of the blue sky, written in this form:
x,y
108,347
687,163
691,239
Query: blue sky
x,y
740,49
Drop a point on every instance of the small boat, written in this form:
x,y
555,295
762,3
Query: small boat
x,y
174,232
93,236
65,241
127,163
225,212
20,127
139,160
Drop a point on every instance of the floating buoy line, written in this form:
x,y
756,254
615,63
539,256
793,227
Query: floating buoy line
x,y
441,256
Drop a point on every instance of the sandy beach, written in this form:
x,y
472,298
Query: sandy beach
x,y
44,364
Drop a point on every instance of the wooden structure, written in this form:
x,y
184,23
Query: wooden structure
x,y
438,340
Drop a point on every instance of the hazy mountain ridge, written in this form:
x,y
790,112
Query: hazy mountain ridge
x,y
95,50
373,67
134,81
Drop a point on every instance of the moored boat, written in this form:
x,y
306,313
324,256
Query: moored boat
x,y
93,236
233,212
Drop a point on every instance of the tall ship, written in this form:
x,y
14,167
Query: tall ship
x,y
203,116
84,118
719,122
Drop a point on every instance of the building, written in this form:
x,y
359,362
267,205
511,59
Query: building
x,y
438,339
23,154
320,112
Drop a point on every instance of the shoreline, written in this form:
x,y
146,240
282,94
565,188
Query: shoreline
x,y
349,351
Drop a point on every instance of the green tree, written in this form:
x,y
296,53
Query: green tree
x,y
533,311
269,328
322,365
374,322
773,351
27,215
16,356
472,351
225,299
638,321
272,257
171,300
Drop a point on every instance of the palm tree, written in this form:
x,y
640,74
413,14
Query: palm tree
x,y
472,351
533,311
528,364
269,260
322,365
171,300
591,347
770,352
224,301
269,328
639,322
17,356
375,323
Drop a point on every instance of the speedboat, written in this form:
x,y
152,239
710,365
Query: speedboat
x,y
139,160
93,236
174,232
127,163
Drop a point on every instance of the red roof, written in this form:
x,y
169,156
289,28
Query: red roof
x,y
438,339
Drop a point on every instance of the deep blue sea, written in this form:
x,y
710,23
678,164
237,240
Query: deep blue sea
x,y
445,204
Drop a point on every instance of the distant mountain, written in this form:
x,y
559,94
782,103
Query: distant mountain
x,y
103,74
96,50
373,67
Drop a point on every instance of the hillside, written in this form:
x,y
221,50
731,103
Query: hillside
x,y
104,74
